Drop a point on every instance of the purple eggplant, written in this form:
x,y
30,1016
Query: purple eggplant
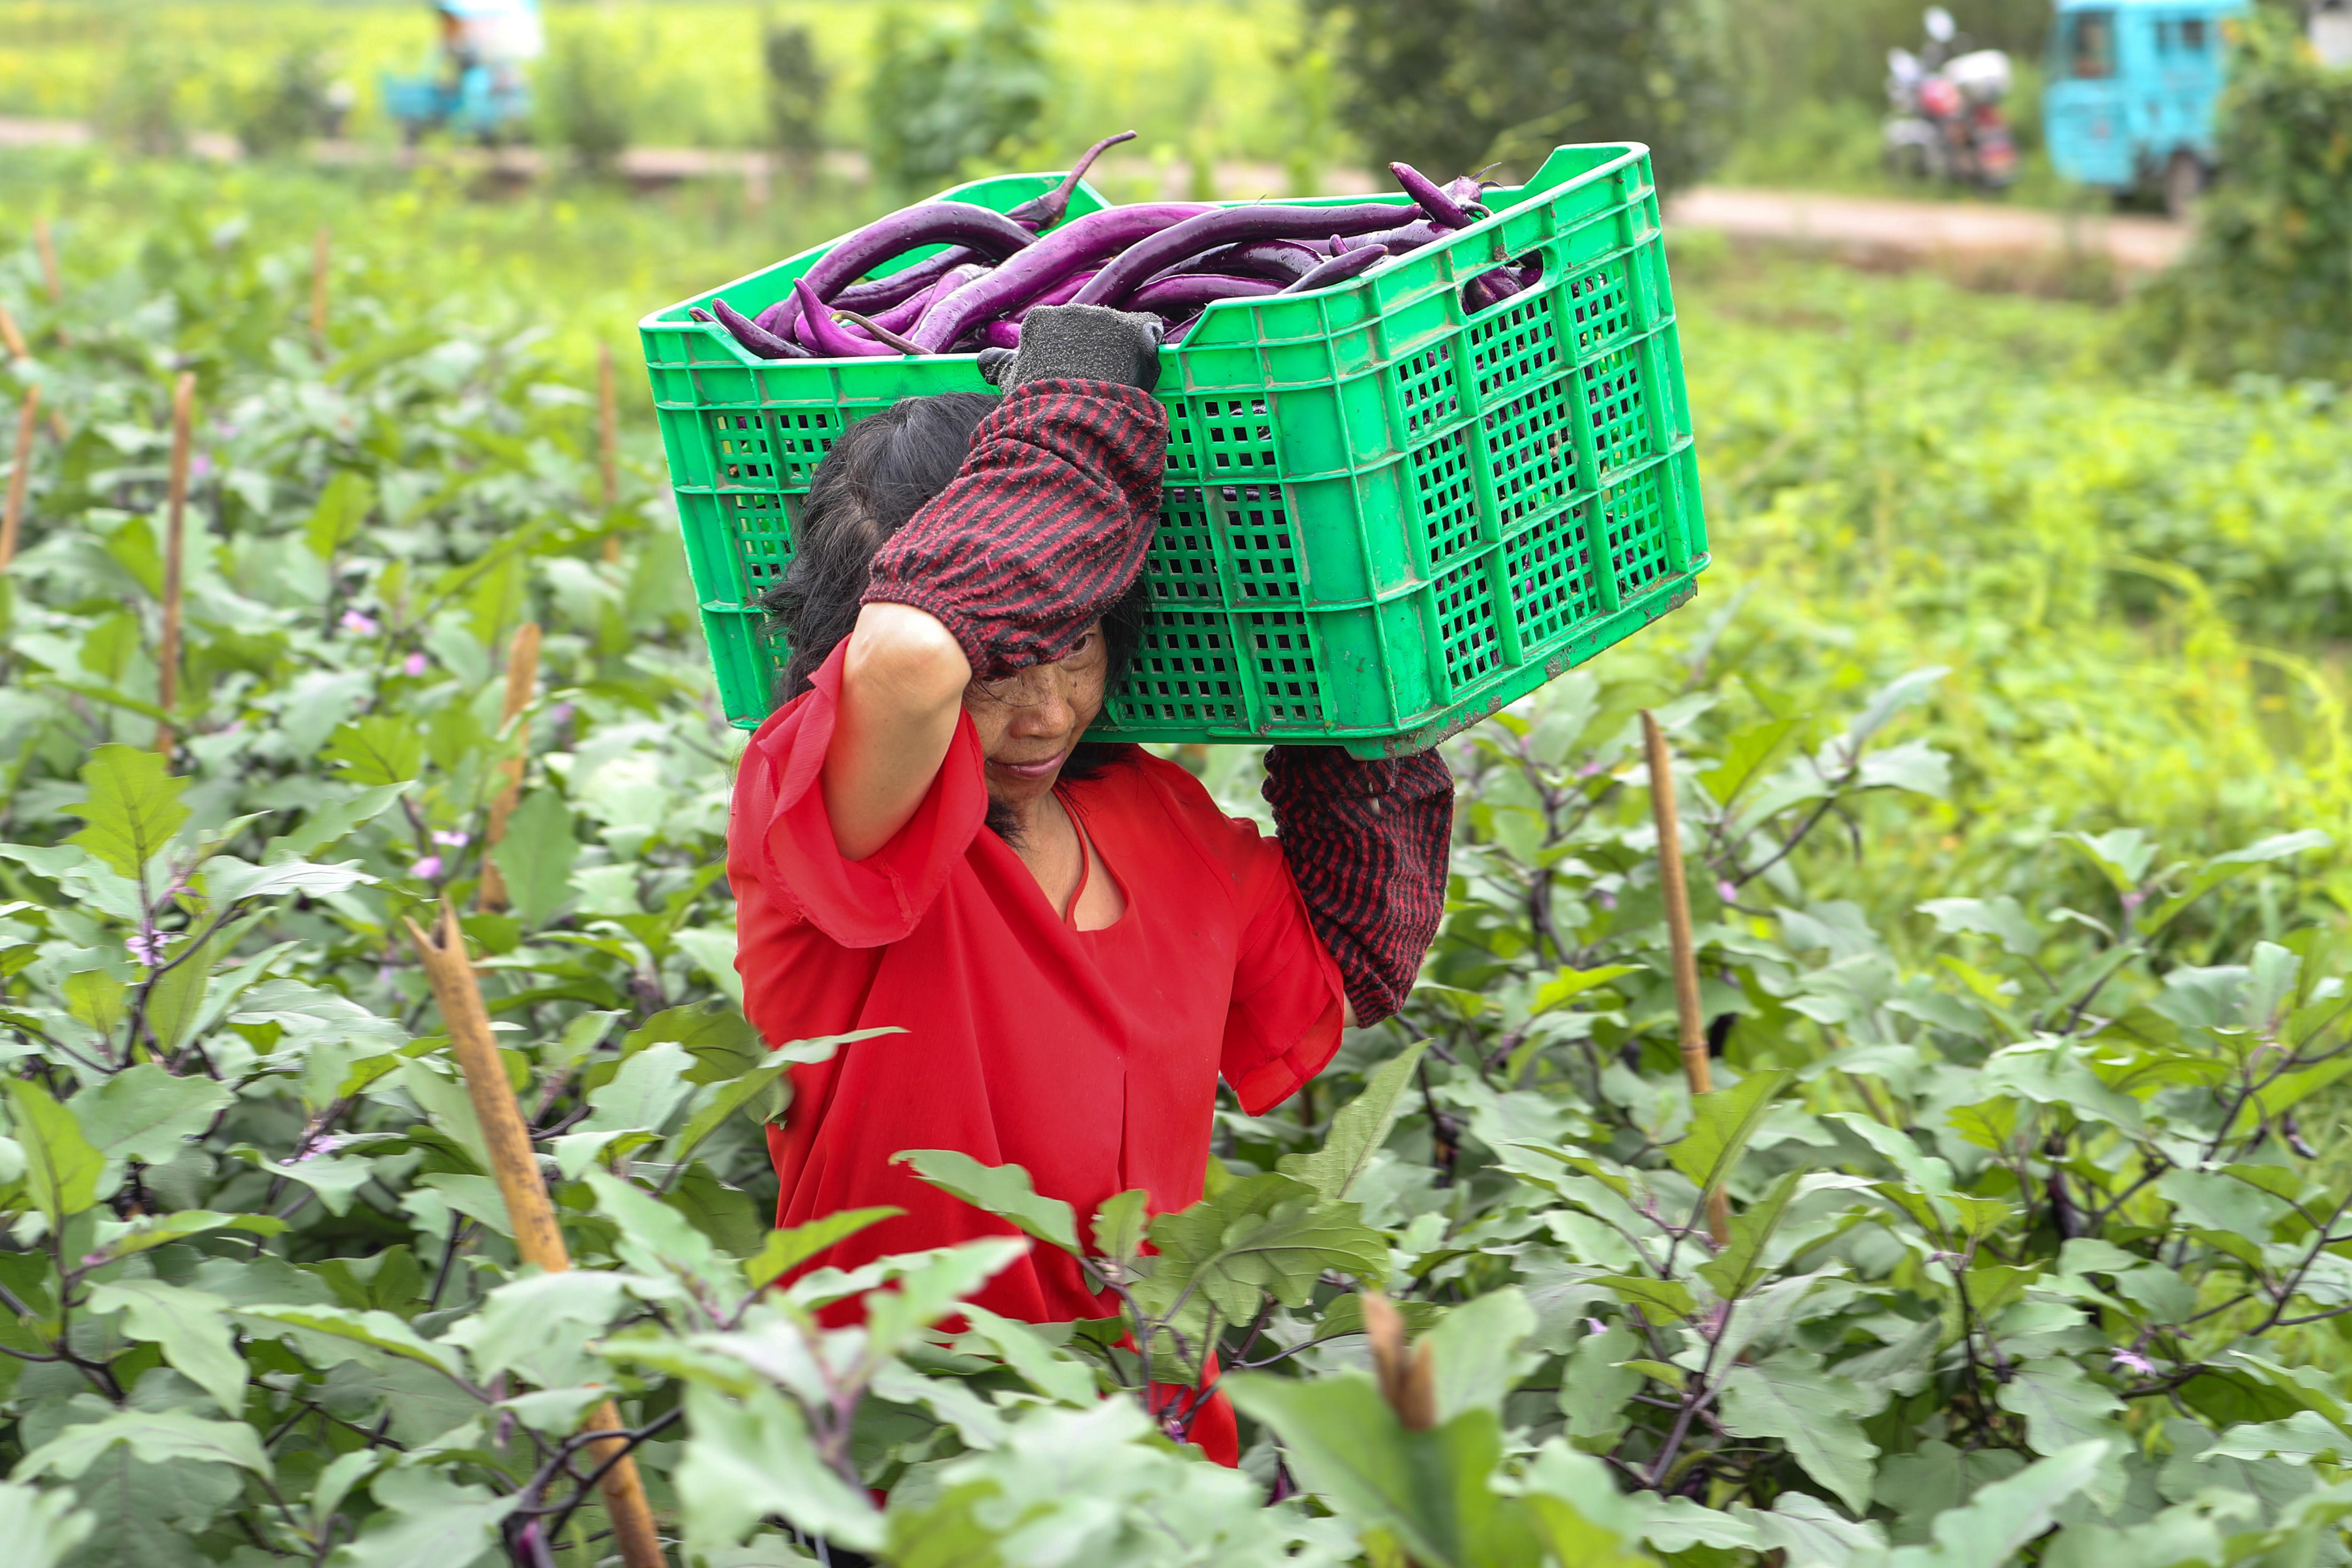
x,y
926,223
696,312
946,290
1186,292
823,337
900,316
1432,199
1227,226
1338,269
1001,334
753,336
1061,293
1410,236
1469,191
1284,260
1043,212
1075,245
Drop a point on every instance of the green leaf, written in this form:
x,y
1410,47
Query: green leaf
x,y
1039,1364
1432,1490
750,1456
376,750
539,1326
1120,1225
162,1229
2003,918
175,998
426,1520
153,1436
536,856
377,1331
1995,1524
1733,1271
786,1250
40,1527
1268,1233
1722,1122
190,1327
341,511
2222,867
61,1169
1002,1190
132,811
656,1238
1358,1131
145,1113
1789,1396
1474,1347
1568,982
1666,1300
743,1090
2061,1405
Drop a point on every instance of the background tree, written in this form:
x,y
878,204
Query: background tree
x,y
797,86
944,98
1454,85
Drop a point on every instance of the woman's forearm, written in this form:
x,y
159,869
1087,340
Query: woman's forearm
x,y
902,683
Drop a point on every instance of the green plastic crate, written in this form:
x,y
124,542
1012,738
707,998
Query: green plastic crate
x,y
1386,516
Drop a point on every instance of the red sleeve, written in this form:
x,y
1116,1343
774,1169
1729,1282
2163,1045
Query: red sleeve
x,y
781,834
1284,1025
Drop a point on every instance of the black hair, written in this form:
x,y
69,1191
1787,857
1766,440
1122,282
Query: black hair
x,y
879,473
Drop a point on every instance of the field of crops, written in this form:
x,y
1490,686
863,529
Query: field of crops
x,y
2009,737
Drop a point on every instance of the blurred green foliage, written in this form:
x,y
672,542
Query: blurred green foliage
x,y
2267,286
946,96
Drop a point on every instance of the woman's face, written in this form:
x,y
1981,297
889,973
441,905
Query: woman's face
x,y
1029,721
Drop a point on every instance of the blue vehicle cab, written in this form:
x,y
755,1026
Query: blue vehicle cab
x,y
2131,94
478,88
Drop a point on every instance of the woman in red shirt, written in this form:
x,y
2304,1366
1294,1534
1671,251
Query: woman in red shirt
x,y
1073,941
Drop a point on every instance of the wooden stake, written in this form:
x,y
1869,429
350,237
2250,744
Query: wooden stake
x,y
608,441
515,1167
319,251
50,276
19,475
522,678
1696,1069
175,518
13,338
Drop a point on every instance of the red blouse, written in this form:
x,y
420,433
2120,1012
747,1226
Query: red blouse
x,y
1090,1057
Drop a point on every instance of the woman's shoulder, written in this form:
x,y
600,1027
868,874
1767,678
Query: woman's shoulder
x,y
1164,800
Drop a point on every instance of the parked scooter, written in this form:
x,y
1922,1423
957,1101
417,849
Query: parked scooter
x,y
1946,121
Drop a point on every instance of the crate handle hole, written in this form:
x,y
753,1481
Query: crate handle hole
x,y
1497,284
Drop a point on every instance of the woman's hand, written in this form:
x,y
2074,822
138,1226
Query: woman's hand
x,y
902,684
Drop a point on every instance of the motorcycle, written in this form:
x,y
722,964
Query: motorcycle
x,y
1944,120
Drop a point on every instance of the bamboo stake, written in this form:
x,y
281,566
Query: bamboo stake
x,y
50,276
175,518
1696,1069
515,1167
319,252
522,678
11,336
19,475
608,442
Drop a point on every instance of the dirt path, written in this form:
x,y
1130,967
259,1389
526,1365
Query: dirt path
x,y
1873,230
1852,227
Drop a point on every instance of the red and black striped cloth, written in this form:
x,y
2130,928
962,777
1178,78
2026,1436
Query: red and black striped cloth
x,y
1367,845
1042,530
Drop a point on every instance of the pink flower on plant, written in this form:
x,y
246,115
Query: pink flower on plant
x,y
2132,1361
146,948
561,713
200,464
362,626
415,664
1727,891
448,839
427,868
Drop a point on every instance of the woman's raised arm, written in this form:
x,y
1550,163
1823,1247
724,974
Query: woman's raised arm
x,y
1044,528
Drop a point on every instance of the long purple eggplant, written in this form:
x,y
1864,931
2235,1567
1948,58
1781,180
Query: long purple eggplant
x,y
1470,190
1002,334
1228,226
1075,245
876,331
753,336
1410,236
1037,214
946,291
827,340
925,223
1185,292
1284,260
1431,197
1338,269
1061,293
